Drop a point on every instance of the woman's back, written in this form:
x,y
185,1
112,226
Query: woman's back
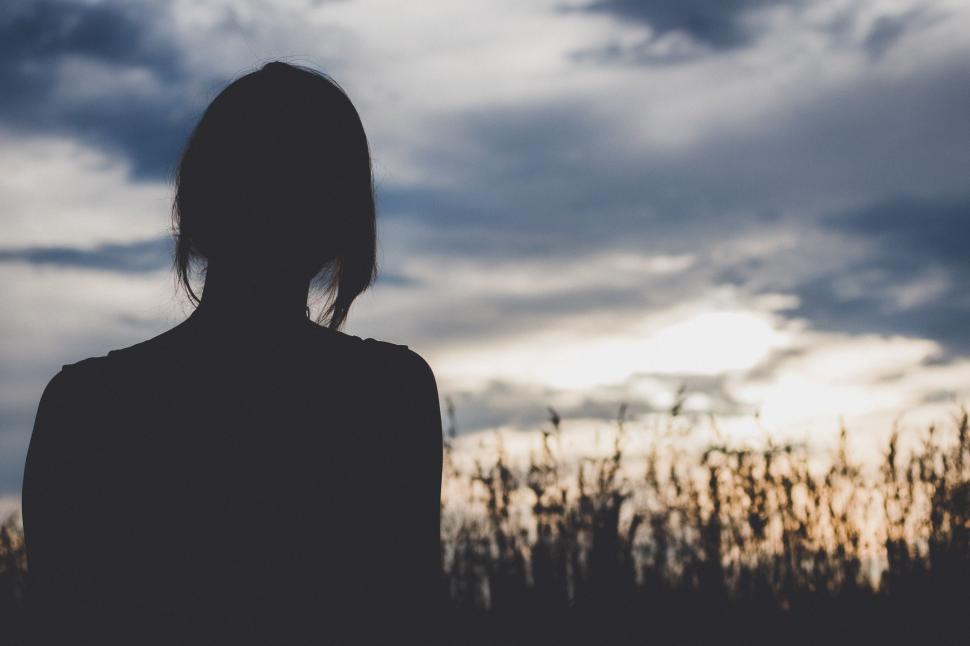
x,y
270,485
249,476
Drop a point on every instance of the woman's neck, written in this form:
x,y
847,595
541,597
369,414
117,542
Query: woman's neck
x,y
240,300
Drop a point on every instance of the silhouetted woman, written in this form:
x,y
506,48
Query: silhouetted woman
x,y
248,476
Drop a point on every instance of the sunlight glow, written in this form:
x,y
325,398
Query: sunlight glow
x,y
706,343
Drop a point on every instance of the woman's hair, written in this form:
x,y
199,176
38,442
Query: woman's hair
x,y
275,182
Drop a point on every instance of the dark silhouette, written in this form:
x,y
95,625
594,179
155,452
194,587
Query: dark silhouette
x,y
667,557
248,476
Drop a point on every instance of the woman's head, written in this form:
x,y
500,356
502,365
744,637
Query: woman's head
x,y
275,184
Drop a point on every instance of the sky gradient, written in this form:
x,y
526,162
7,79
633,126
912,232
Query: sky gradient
x,y
580,204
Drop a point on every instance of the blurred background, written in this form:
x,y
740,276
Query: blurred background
x,y
755,210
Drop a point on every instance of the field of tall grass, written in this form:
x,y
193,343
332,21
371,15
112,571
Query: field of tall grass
x,y
703,544
714,543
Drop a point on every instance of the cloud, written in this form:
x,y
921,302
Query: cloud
x,y
867,381
685,32
886,30
760,199
719,25
523,407
580,175
101,72
113,32
60,192
139,257
915,229
132,78
908,274
796,178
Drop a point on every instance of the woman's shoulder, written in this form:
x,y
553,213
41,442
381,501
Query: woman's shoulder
x,y
78,388
388,354
86,377
77,378
67,399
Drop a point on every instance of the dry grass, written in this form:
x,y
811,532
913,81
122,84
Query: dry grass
x,y
724,544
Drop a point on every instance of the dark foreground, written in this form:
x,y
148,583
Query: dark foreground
x,y
722,546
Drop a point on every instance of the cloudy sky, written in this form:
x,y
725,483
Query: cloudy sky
x,y
581,203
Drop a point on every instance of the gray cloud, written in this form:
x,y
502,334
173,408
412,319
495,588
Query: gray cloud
x,y
719,24
823,173
887,30
915,229
717,27
525,407
136,257
39,41
559,178
869,178
909,242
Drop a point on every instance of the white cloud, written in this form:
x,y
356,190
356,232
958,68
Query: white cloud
x,y
58,191
690,339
